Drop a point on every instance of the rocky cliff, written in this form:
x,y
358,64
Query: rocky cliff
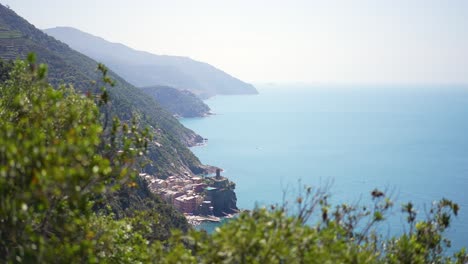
x,y
224,202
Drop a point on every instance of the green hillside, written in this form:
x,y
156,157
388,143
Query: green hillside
x,y
8,34
182,103
10,43
169,155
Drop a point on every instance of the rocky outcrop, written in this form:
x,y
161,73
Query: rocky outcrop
x,y
221,194
224,202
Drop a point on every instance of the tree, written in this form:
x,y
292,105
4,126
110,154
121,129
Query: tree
x,y
5,68
51,170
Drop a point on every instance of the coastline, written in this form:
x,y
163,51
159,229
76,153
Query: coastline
x,y
197,220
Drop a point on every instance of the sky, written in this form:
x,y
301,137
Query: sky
x,y
309,41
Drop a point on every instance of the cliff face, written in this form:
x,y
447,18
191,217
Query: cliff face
x,y
222,195
224,202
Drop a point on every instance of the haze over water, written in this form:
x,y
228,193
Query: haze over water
x,y
409,140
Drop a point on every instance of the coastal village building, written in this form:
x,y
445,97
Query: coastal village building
x,y
186,204
195,196
188,195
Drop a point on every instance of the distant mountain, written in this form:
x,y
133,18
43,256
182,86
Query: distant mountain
x,y
169,153
182,103
145,69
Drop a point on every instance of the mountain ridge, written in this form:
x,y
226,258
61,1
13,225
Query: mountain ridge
x,y
142,68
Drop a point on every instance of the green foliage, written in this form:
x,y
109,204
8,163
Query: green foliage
x,y
424,243
5,68
49,169
346,234
264,236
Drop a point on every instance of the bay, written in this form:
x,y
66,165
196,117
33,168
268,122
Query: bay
x,y
411,142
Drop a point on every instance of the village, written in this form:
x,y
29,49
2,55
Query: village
x,y
196,197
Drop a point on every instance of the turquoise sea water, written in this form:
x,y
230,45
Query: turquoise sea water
x,y
412,141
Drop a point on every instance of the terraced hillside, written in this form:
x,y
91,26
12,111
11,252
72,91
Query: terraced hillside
x,y
169,153
10,42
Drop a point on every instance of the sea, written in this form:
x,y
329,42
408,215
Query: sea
x,y
409,141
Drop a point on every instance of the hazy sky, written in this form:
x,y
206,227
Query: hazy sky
x,y
368,41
